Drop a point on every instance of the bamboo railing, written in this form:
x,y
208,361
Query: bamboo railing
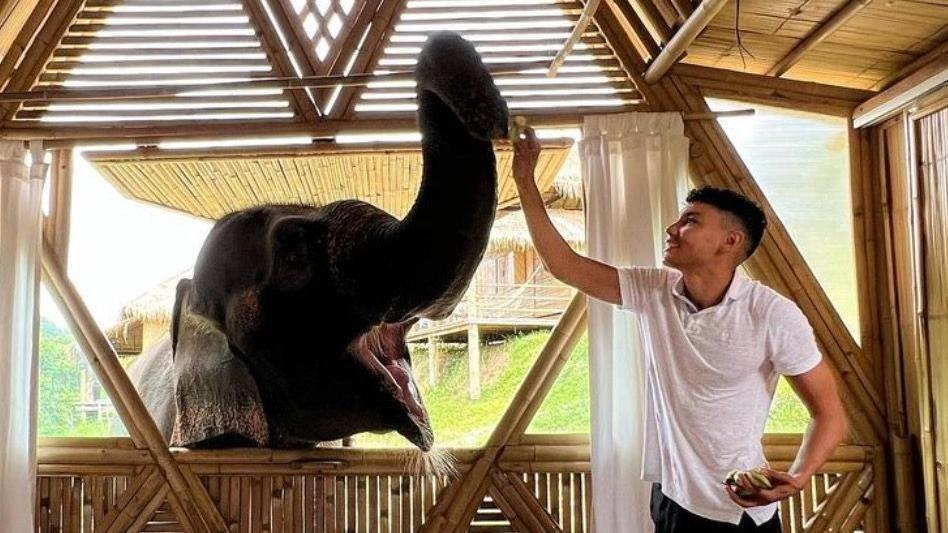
x,y
542,484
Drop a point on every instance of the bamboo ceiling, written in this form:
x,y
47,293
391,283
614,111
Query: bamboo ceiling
x,y
866,52
210,184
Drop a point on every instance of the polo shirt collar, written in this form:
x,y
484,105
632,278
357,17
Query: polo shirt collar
x,y
735,290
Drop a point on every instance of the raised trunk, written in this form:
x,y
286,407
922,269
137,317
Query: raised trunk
x,y
442,239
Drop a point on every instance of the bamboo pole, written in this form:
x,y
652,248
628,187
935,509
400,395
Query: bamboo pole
x,y
376,39
103,359
21,44
640,33
280,81
818,35
281,59
68,137
776,89
56,225
683,38
585,18
654,18
548,522
530,520
41,49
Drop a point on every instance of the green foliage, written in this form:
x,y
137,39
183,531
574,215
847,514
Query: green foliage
x,y
59,375
787,413
459,421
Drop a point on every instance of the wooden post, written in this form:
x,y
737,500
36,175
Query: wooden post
x,y
473,361
432,363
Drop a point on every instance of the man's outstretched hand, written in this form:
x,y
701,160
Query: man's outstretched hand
x,y
526,153
784,486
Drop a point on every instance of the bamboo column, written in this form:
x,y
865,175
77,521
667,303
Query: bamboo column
x,y
56,225
473,361
102,357
432,361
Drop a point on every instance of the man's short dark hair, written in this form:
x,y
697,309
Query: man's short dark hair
x,y
746,211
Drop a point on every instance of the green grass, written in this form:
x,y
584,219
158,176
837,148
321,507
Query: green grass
x,y
459,421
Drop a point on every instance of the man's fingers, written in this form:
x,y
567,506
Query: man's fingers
x,y
738,499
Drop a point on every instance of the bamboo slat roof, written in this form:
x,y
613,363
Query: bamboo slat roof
x,y
210,184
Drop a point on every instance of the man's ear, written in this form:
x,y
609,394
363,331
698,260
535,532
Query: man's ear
x,y
736,240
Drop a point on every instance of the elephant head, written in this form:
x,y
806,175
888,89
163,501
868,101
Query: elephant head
x,y
293,327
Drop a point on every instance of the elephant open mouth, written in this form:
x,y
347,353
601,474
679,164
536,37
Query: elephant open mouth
x,y
383,351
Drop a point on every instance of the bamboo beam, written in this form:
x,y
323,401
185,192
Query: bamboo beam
x,y
902,94
585,18
640,33
56,225
338,59
373,46
817,35
791,94
23,39
69,136
41,49
114,379
654,18
280,60
683,38
280,81
301,46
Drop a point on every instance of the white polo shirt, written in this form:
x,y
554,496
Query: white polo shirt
x,y
711,376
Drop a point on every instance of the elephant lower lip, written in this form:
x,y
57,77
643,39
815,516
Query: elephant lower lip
x,y
407,390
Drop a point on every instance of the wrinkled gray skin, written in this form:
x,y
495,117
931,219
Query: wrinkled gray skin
x,y
293,329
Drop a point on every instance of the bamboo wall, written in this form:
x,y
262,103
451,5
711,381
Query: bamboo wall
x,y
912,221
91,485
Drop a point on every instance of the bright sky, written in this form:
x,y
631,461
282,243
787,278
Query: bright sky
x,y
120,248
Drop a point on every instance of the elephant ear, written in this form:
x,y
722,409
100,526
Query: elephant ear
x,y
217,401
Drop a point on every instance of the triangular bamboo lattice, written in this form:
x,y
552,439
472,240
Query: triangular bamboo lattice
x,y
591,79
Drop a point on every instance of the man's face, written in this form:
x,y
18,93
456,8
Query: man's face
x,y
702,235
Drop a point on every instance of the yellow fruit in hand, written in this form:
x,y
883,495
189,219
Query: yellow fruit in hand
x,y
517,125
755,477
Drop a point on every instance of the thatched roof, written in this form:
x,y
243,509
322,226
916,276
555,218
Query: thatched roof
x,y
510,230
155,304
210,184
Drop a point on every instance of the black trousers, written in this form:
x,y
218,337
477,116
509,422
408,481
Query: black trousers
x,y
669,517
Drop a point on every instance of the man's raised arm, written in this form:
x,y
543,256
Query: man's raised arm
x,y
596,279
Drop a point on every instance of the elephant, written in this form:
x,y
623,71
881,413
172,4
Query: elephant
x,y
292,329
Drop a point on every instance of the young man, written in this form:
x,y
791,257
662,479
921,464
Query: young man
x,y
715,344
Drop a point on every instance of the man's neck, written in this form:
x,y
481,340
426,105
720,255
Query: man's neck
x,y
706,288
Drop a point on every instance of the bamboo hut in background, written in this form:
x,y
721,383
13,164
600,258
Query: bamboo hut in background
x,y
307,78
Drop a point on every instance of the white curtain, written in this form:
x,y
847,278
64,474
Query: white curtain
x,y
21,195
635,170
